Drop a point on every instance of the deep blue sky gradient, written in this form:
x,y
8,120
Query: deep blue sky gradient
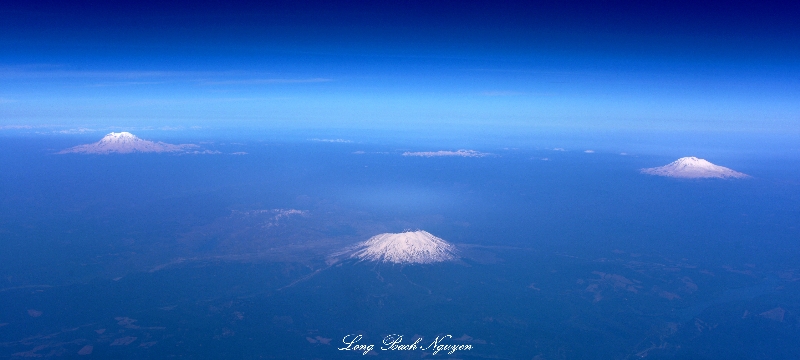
x,y
559,67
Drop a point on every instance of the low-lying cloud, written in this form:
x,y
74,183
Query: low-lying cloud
x,y
462,153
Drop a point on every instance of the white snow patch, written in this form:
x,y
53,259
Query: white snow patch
x,y
694,168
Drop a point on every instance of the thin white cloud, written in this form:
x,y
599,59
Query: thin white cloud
x,y
517,93
198,152
151,77
461,153
126,83
331,140
267,81
77,131
22,72
501,93
589,151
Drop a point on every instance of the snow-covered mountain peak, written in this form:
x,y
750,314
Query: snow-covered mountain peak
x,y
694,168
410,247
692,160
124,143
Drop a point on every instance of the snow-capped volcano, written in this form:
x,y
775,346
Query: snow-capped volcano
x,y
124,143
694,168
410,247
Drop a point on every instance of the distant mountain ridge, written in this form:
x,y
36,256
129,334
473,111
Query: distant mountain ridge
x,y
691,167
126,143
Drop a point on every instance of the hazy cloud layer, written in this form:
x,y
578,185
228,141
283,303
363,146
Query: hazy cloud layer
x,y
462,153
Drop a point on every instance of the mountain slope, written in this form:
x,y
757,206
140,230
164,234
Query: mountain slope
x,y
125,143
410,247
694,168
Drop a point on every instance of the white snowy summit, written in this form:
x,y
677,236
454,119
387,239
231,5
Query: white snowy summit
x,y
410,247
125,143
694,168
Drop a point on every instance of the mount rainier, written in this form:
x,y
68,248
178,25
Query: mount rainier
x,y
694,168
125,143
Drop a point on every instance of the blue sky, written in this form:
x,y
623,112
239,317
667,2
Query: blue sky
x,y
474,67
